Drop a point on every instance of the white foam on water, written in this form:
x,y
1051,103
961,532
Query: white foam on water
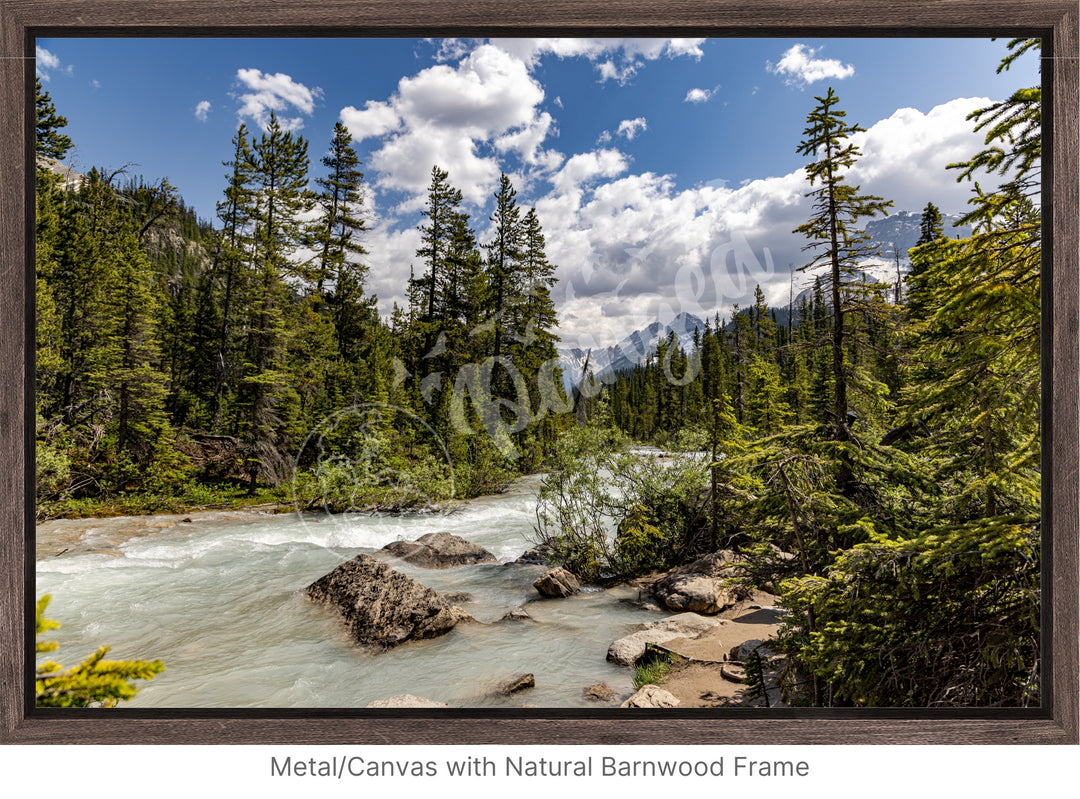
x,y
222,603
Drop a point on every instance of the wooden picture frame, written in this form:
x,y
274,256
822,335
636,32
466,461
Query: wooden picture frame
x,y
1055,721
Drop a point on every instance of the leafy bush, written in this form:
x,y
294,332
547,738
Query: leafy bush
x,y
606,514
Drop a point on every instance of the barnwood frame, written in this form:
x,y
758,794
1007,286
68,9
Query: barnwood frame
x,y
1054,722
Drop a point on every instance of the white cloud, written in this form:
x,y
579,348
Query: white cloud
x,y
698,96
274,93
614,59
456,117
47,62
905,157
634,247
376,119
95,84
202,110
629,247
799,67
630,128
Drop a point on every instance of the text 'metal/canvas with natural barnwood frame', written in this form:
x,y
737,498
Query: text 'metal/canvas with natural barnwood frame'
x,y
1053,718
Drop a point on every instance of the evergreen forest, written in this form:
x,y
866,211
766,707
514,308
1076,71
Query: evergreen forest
x,y
884,438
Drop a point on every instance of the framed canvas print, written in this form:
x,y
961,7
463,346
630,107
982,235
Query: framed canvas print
x,y
434,375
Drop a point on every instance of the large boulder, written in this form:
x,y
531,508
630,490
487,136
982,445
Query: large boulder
x,y
440,551
629,649
707,585
382,607
651,696
557,582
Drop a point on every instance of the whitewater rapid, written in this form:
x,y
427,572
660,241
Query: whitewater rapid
x,y
220,599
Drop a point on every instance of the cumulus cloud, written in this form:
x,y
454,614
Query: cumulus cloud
x,y
614,59
905,156
799,66
376,119
630,247
630,128
202,110
46,63
698,96
277,93
459,118
634,247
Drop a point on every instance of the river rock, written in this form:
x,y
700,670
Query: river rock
x,y
704,586
742,652
537,556
629,649
382,607
517,614
557,582
601,692
458,597
406,700
462,616
440,551
651,696
516,684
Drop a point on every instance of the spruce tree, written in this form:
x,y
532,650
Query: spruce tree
x,y
50,142
930,226
279,172
336,235
832,229
504,254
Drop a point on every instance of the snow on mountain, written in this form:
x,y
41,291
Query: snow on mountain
x,y
605,362
890,235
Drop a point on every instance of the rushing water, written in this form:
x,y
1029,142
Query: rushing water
x,y
221,600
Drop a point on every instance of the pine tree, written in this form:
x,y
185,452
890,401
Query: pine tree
x,y
930,226
504,253
236,213
50,142
832,231
336,234
279,172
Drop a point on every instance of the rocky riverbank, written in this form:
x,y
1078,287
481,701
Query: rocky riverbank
x,y
383,608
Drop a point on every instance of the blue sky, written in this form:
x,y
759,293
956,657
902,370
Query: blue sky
x,y
664,172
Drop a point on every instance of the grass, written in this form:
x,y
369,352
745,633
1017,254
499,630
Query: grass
x,y
654,671
137,503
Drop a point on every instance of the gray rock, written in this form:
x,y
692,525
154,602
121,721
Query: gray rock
x,y
629,649
517,614
537,556
704,586
382,607
651,696
440,551
406,700
741,652
458,597
557,582
517,683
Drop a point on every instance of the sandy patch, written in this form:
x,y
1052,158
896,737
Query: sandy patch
x,y
697,681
